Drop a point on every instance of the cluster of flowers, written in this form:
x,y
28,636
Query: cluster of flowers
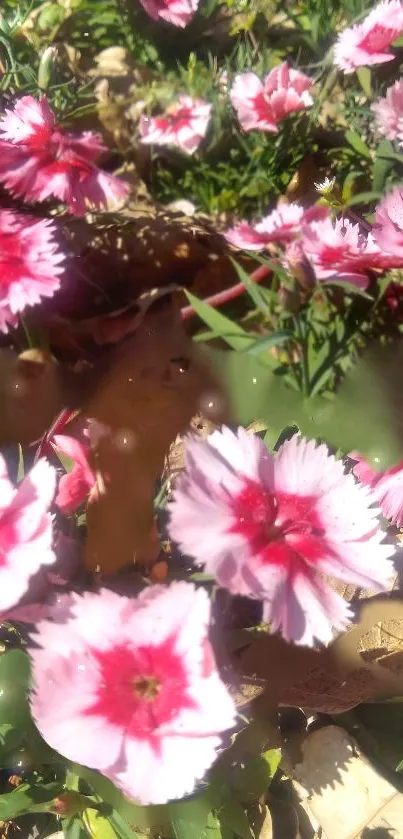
x,y
261,105
129,685
364,44
331,251
38,161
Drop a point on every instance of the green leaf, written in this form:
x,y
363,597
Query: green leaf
x,y
97,825
236,337
232,815
251,287
123,830
364,78
363,198
265,342
21,468
251,779
363,415
14,683
357,143
189,818
381,165
389,154
272,758
28,798
74,828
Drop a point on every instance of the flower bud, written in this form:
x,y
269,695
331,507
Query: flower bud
x,y
46,65
299,266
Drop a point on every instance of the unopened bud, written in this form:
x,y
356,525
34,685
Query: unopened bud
x,y
299,266
46,65
68,803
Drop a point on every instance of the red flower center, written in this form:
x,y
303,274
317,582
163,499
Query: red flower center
x,y
10,259
141,688
378,38
280,528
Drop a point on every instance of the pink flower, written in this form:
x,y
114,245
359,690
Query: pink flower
x,y
30,263
281,225
339,251
367,43
79,485
389,112
270,527
388,226
183,124
261,105
130,687
387,486
39,160
25,530
177,12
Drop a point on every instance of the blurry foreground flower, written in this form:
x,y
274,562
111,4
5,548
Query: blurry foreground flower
x,y
130,687
183,124
367,43
30,263
25,529
38,160
274,527
80,484
261,105
387,486
177,12
389,112
281,225
388,225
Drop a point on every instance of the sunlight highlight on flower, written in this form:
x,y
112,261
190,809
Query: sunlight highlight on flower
x,y
184,124
30,264
389,112
388,225
39,160
281,225
129,686
274,527
367,43
261,105
387,486
176,12
25,529
80,484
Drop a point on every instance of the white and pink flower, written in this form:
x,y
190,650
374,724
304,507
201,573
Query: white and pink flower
x,y
387,486
25,530
389,112
80,484
339,251
39,160
388,225
261,105
130,687
30,263
177,12
368,43
275,527
279,226
184,124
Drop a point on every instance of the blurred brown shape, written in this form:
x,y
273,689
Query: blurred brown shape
x,y
334,679
151,390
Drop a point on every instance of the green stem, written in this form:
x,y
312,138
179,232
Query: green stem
x,y
304,357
